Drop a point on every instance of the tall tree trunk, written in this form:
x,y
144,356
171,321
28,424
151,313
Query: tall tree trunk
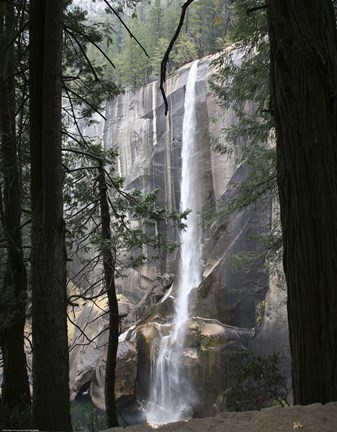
x,y
16,395
109,262
304,103
51,406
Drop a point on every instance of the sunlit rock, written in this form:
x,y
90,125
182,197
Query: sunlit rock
x,y
85,354
88,351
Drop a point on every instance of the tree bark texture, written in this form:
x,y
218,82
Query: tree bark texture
x,y
15,386
303,78
51,406
109,263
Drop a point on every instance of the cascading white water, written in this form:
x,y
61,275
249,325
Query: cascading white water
x,y
154,108
172,395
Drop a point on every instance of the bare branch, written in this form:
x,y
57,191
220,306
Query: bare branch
x,y
84,335
254,9
83,52
168,51
75,118
83,153
83,100
126,27
93,43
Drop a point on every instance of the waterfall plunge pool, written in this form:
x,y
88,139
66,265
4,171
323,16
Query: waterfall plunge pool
x,y
87,417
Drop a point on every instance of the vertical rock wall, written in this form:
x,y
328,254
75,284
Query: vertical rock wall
x,y
149,145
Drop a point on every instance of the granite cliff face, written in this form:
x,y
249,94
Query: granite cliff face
x,y
149,146
224,306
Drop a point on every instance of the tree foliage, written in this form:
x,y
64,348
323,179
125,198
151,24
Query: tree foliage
x,y
155,22
257,382
241,83
134,213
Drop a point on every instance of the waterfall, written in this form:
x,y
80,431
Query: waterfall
x,y
172,395
154,107
190,254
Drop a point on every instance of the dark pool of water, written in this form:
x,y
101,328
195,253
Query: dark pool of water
x,y
86,417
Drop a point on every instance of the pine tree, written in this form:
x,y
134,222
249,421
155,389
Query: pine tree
x,y
51,405
15,386
207,23
303,76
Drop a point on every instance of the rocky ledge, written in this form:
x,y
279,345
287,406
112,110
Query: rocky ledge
x,y
310,418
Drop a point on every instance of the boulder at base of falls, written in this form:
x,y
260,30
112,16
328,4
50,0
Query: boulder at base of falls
x,y
151,303
126,371
88,348
207,346
88,359
84,356
148,344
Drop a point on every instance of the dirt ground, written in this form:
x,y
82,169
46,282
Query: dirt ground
x,y
310,418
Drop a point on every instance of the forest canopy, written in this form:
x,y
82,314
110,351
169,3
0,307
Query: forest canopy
x,y
153,24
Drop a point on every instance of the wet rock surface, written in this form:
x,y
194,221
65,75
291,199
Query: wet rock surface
x,y
206,347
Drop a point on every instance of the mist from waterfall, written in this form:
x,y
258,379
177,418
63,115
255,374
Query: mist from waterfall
x,y
172,396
